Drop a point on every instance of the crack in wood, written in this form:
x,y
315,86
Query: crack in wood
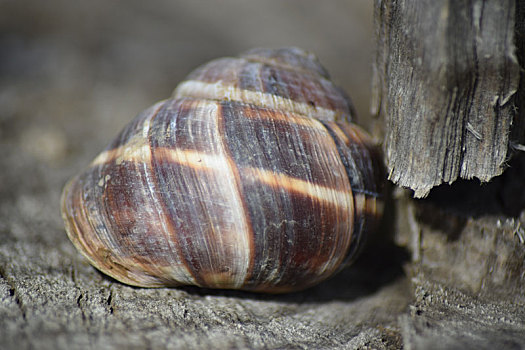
x,y
13,292
79,305
109,301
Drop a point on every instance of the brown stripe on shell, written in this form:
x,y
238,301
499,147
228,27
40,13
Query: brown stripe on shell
x,y
325,202
138,223
79,227
205,206
125,219
292,187
361,162
87,234
94,229
369,155
249,233
280,142
300,236
152,242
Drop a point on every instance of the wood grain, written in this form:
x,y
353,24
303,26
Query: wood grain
x,y
446,80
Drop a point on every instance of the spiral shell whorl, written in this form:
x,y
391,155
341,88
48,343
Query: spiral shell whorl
x,y
288,80
223,187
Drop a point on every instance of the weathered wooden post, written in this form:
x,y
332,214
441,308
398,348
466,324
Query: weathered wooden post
x,y
448,95
446,85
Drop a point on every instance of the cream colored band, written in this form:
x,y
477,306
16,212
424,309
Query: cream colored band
x,y
220,91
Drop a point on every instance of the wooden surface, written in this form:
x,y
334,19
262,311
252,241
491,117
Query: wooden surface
x,y
438,276
445,85
448,95
467,246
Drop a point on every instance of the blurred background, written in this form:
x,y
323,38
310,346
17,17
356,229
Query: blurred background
x,y
73,73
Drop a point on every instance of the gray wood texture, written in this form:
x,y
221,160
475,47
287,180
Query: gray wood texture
x,y
447,94
468,248
446,78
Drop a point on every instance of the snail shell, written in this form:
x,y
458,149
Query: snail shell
x,y
251,177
